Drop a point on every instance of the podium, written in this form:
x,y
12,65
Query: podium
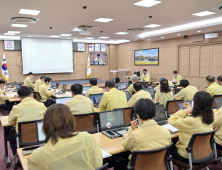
x,y
122,74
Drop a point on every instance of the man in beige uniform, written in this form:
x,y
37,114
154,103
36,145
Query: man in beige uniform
x,y
214,88
79,104
28,81
130,89
38,83
176,77
94,89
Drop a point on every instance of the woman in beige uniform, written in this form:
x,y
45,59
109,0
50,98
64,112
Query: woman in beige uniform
x,y
64,147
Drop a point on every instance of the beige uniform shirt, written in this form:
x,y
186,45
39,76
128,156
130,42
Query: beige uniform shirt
x,y
38,83
214,89
187,127
80,105
130,89
146,77
79,152
151,136
3,97
218,123
112,100
169,82
137,96
186,93
29,109
99,60
177,79
28,82
94,90
45,93
162,98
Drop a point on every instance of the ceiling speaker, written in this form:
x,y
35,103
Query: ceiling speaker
x,y
23,20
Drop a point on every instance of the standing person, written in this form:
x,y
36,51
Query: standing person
x,y
38,83
176,77
94,88
130,89
65,149
214,88
28,81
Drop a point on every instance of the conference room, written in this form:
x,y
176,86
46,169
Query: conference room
x,y
111,85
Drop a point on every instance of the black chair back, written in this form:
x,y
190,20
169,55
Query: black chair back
x,y
104,167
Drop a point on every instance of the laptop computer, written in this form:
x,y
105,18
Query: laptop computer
x,y
127,95
63,89
180,104
56,86
62,100
96,99
218,102
151,91
121,86
85,88
41,134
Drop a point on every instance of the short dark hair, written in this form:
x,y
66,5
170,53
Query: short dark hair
x,y
138,86
24,91
30,73
184,83
175,72
77,88
110,83
203,107
2,81
145,108
219,78
42,77
164,86
145,70
93,81
48,79
210,78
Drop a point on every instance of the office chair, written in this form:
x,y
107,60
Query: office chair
x,y
37,96
152,159
214,103
201,150
104,167
172,106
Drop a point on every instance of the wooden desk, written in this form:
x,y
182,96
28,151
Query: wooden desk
x,y
13,99
64,95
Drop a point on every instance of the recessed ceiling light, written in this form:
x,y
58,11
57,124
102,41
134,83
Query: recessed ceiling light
x,y
9,37
30,36
178,34
55,36
136,38
121,33
8,34
18,25
104,37
204,13
14,32
101,41
89,38
68,38
148,39
76,29
162,37
198,31
147,3
65,35
152,26
103,20
29,12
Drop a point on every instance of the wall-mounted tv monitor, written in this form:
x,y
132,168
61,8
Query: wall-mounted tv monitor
x,y
146,57
98,58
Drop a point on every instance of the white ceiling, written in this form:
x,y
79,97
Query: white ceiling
x,y
65,15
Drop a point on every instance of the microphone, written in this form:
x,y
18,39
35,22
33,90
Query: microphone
x,y
201,84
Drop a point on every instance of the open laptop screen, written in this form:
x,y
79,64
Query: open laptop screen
x,y
62,100
41,134
180,104
127,95
114,118
160,113
96,98
121,86
150,90
218,102
64,87
85,88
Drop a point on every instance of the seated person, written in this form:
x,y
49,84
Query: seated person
x,y
3,97
38,83
94,88
169,82
145,76
130,89
140,93
218,123
214,88
196,119
79,104
28,110
28,81
164,94
64,148
113,99
176,77
219,79
187,91
99,59
150,136
45,93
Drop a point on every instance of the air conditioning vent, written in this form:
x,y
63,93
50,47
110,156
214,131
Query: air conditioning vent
x,y
135,29
24,20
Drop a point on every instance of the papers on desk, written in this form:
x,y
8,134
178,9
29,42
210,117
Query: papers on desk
x,y
171,128
105,154
10,95
122,132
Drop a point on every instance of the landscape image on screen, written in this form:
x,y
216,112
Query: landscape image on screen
x,y
147,57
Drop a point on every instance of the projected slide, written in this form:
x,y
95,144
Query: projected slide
x,y
47,55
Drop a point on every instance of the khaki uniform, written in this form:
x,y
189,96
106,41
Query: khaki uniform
x,y
79,152
130,89
3,97
186,94
28,82
151,136
94,90
45,93
187,127
112,100
99,60
146,77
177,79
38,83
162,98
139,95
218,123
214,89
169,82
80,105
28,110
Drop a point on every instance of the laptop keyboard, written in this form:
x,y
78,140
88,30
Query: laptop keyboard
x,y
119,129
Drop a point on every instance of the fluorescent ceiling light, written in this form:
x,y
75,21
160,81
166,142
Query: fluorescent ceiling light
x,y
104,37
204,13
184,27
18,25
89,38
14,32
8,34
29,12
148,39
121,33
198,31
178,34
136,38
76,29
101,41
162,37
147,3
152,26
30,36
66,35
55,36
2,37
103,20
